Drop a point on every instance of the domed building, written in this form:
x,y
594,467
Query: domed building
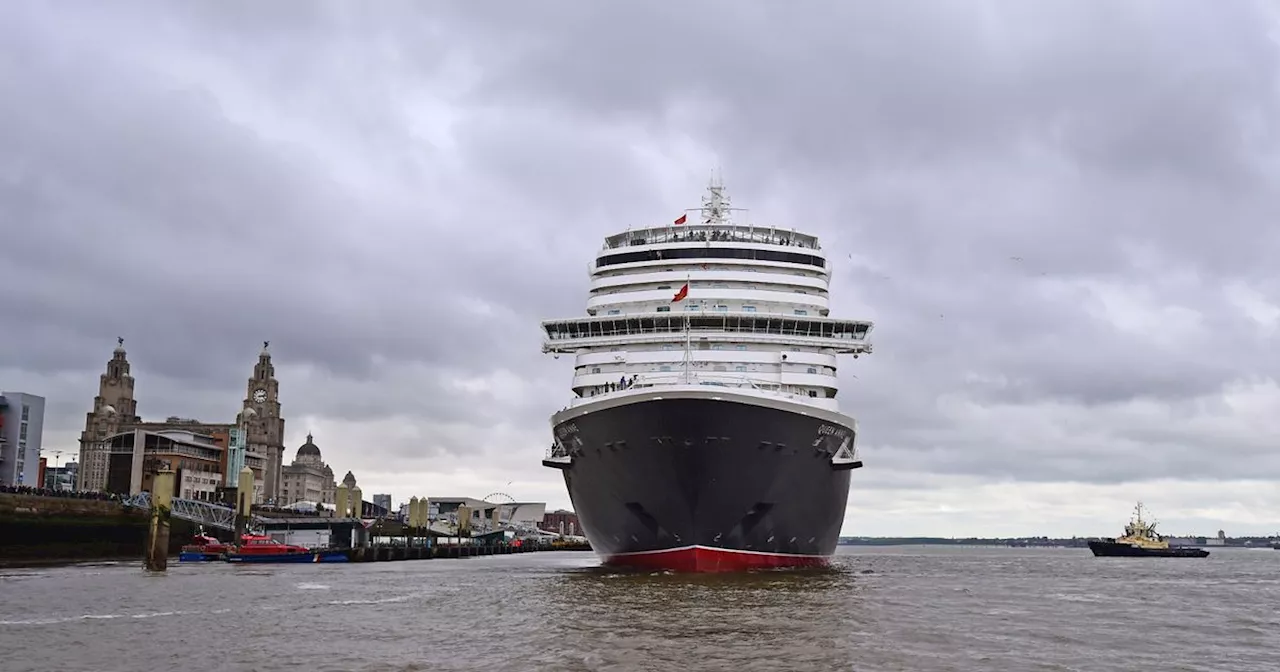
x,y
308,479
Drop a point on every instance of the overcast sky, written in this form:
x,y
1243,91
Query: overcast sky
x,y
1061,216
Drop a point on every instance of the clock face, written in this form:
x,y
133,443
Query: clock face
x,y
259,395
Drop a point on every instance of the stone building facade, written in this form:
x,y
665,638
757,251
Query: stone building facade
x,y
264,425
308,478
115,412
113,409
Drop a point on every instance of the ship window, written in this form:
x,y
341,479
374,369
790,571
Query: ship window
x,y
664,368
615,311
595,369
718,346
739,347
664,309
748,309
801,312
664,286
813,393
740,367
812,370
668,346
691,307
722,309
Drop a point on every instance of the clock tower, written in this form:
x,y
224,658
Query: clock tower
x,y
264,427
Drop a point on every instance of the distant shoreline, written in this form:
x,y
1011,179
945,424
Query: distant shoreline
x,y
1044,542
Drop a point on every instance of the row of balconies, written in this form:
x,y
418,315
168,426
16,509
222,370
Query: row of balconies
x,y
715,353
759,303
738,373
690,266
713,278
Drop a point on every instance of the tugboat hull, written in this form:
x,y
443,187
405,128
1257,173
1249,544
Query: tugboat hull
x,y
1112,549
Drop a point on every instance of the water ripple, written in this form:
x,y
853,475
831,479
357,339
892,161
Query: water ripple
x,y
905,608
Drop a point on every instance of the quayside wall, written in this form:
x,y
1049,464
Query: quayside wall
x,y
53,530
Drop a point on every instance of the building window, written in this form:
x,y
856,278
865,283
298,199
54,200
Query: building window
x,y
22,432
26,412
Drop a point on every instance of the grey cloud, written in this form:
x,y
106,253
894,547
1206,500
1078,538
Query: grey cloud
x,y
395,199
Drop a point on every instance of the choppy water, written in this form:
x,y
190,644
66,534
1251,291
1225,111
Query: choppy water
x,y
903,608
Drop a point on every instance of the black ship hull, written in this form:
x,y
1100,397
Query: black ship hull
x,y
1112,549
699,481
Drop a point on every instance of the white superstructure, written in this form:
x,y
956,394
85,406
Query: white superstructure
x,y
755,316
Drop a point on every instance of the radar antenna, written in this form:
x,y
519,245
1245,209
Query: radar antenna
x,y
715,204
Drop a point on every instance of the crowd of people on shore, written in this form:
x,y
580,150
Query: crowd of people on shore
x,y
65,494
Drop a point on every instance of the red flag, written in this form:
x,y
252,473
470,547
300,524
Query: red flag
x,y
680,295
682,219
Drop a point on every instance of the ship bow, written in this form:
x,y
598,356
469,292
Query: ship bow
x,y
705,484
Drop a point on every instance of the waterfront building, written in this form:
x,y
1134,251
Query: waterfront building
x,y
113,408
528,514
21,427
308,478
255,439
133,456
561,521
264,425
383,501
61,477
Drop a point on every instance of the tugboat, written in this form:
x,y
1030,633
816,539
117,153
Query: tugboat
x,y
1140,540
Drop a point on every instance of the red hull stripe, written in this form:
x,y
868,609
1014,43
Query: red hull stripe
x,y
707,559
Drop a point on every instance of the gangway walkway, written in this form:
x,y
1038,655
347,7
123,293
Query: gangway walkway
x,y
202,513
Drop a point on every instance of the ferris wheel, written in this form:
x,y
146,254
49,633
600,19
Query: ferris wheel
x,y
501,495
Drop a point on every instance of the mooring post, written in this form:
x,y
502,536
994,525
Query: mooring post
x,y
158,532
244,503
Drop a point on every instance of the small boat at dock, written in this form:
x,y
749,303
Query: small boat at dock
x,y
257,548
204,548
1140,540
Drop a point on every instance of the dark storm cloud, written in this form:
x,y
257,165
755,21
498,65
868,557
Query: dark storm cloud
x,y
1040,205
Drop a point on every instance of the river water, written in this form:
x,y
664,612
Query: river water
x,y
898,608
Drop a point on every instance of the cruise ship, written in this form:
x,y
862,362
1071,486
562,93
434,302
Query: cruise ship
x,y
703,432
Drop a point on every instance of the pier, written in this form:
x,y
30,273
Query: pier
x,y
451,551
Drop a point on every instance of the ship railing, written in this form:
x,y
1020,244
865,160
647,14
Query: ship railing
x,y
716,379
558,453
718,233
822,330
